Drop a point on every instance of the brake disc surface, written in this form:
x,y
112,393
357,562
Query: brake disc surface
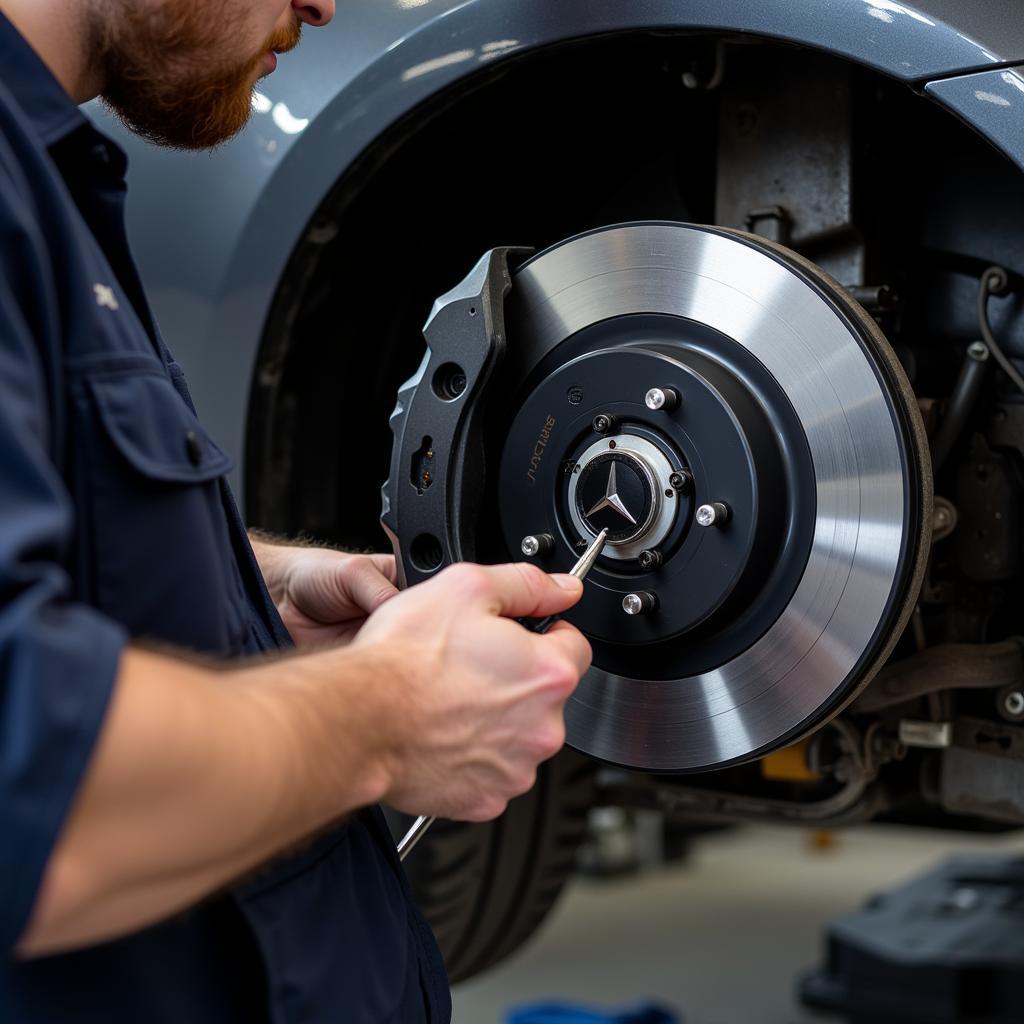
x,y
787,411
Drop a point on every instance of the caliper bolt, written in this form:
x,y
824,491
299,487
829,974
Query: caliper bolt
x,y
642,602
537,544
603,423
649,560
661,398
680,481
713,514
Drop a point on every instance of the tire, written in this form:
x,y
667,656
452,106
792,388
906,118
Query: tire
x,y
485,889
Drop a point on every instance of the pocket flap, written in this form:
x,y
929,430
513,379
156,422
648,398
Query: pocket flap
x,y
153,428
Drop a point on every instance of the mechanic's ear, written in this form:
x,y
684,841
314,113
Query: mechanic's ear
x,y
318,13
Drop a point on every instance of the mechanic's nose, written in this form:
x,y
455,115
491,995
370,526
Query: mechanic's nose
x,y
317,14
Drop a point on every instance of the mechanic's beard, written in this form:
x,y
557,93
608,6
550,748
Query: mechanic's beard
x,y
167,75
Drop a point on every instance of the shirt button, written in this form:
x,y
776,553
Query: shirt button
x,y
194,447
101,155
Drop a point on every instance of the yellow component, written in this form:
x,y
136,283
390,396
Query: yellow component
x,y
822,840
789,764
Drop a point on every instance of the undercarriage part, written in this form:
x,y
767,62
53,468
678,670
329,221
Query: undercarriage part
x,y
994,282
801,143
962,402
988,499
944,667
784,489
947,948
854,797
944,519
982,771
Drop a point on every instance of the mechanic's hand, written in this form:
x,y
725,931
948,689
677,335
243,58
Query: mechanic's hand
x,y
324,596
478,699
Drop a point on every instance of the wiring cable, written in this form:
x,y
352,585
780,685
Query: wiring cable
x,y
994,282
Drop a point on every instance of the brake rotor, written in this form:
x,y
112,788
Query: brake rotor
x,y
743,430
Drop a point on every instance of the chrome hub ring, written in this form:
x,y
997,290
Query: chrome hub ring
x,y
637,524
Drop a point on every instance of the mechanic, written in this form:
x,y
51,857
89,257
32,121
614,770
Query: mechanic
x,y
188,822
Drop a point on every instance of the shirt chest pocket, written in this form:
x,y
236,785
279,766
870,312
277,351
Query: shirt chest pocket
x,y
155,549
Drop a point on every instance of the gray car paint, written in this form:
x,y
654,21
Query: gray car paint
x,y
991,102
213,233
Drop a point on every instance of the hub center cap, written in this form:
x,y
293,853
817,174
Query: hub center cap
x,y
615,491
620,484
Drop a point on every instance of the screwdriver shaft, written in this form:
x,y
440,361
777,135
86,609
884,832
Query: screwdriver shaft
x,y
414,835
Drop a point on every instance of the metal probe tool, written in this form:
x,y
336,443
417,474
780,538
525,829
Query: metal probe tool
x,y
579,570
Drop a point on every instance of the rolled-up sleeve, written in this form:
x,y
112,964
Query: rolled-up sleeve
x,y
58,658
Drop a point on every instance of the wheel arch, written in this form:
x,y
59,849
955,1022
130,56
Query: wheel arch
x,y
214,276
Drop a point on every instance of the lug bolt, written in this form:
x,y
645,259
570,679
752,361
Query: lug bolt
x,y
537,544
649,560
713,514
661,398
643,602
603,423
680,481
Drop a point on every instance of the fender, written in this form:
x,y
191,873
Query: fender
x,y
213,234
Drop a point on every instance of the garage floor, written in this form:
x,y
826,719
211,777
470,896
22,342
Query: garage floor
x,y
721,938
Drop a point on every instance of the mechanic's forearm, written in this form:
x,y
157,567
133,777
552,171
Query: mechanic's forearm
x,y
200,776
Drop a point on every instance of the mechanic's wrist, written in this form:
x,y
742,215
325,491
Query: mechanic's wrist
x,y
272,555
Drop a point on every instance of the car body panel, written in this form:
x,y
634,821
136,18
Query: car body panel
x,y
991,102
213,233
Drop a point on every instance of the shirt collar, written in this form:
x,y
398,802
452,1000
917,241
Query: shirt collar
x,y
41,97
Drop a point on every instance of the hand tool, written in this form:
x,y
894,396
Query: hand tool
x,y
579,570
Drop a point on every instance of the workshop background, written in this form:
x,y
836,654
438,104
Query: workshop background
x,y
722,937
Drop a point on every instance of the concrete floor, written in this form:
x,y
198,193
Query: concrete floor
x,y
719,939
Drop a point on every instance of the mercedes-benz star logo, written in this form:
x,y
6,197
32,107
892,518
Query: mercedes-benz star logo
x,y
611,499
613,490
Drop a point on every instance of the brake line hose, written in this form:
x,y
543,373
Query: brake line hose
x,y
994,282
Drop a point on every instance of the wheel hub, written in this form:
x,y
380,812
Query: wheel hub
x,y
733,439
747,437
622,485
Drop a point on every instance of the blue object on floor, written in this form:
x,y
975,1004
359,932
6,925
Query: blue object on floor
x,y
566,1013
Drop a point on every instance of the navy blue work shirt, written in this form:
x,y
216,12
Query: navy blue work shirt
x,y
116,524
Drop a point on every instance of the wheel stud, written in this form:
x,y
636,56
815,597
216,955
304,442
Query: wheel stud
x,y
537,544
713,514
604,424
681,481
649,560
665,399
642,602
